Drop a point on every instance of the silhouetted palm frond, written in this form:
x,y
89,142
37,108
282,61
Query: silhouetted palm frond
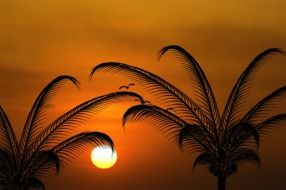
x,y
257,112
41,153
205,158
245,154
44,163
157,116
271,123
193,138
200,82
239,91
221,141
8,140
172,96
76,116
73,145
238,133
39,108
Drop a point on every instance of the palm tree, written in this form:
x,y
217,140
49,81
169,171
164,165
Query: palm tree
x,y
221,141
43,150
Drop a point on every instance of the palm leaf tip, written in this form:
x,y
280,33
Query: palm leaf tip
x,y
73,80
269,52
167,48
96,68
69,78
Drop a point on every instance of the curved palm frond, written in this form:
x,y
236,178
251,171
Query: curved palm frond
x,y
155,116
38,109
205,158
76,116
164,120
71,146
8,140
238,93
245,155
201,84
259,110
271,123
191,137
172,96
236,135
44,163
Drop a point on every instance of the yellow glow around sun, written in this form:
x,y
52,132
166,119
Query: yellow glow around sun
x,y
103,158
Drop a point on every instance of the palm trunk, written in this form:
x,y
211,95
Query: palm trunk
x,y
221,182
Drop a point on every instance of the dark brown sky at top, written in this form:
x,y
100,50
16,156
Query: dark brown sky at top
x,y
45,38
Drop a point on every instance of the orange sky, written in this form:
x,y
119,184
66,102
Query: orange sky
x,y
45,38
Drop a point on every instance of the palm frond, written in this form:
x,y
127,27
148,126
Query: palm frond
x,y
33,183
169,94
245,155
263,106
162,119
58,129
238,93
191,137
73,145
236,135
8,140
201,84
44,163
38,109
205,158
154,115
271,123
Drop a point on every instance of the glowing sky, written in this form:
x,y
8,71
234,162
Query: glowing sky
x,y
45,38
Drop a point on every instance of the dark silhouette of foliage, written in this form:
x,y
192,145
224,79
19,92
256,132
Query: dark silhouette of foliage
x,y
43,149
221,141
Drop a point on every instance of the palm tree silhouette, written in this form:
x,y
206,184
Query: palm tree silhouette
x,y
43,150
221,141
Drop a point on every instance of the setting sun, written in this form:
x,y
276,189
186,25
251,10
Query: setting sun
x,y
103,158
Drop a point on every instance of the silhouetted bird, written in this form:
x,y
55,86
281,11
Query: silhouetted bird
x,y
126,86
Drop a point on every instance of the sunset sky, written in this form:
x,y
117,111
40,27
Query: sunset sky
x,y
41,39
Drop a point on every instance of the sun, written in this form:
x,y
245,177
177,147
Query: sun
x,y
103,158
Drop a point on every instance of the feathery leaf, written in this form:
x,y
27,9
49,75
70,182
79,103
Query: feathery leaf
x,y
259,110
239,90
8,140
38,109
169,94
57,129
200,81
71,146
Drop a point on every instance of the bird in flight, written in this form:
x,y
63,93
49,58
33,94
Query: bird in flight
x,y
126,86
